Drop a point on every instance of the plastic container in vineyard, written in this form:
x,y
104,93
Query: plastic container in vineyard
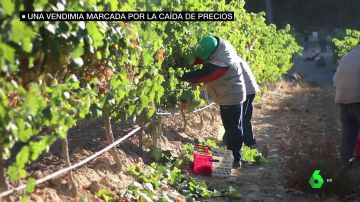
x,y
211,161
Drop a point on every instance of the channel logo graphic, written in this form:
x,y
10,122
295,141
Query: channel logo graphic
x,y
316,181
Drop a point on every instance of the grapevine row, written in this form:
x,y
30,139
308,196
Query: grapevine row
x,y
344,43
54,74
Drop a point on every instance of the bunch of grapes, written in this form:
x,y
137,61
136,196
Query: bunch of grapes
x,y
102,73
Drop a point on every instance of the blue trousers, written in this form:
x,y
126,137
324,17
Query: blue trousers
x,y
248,107
231,116
350,118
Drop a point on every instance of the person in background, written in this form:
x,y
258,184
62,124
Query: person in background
x,y
322,39
222,72
347,84
306,40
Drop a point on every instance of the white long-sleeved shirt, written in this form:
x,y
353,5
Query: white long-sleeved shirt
x,y
347,78
250,81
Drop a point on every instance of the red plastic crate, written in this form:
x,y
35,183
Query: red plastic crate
x,y
202,160
210,161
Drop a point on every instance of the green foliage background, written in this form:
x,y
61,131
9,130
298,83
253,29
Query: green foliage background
x,y
343,44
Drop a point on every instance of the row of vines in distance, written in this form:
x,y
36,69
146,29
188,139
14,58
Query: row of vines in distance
x,y
344,43
54,74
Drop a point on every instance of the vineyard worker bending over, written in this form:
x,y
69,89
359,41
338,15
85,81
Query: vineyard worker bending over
x,y
223,75
347,83
251,88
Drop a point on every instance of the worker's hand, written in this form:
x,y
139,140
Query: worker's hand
x,y
190,60
201,87
184,61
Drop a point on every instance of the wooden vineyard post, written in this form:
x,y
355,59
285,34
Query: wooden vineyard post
x,y
141,120
202,125
3,183
110,138
154,129
141,140
158,132
66,157
184,120
206,96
